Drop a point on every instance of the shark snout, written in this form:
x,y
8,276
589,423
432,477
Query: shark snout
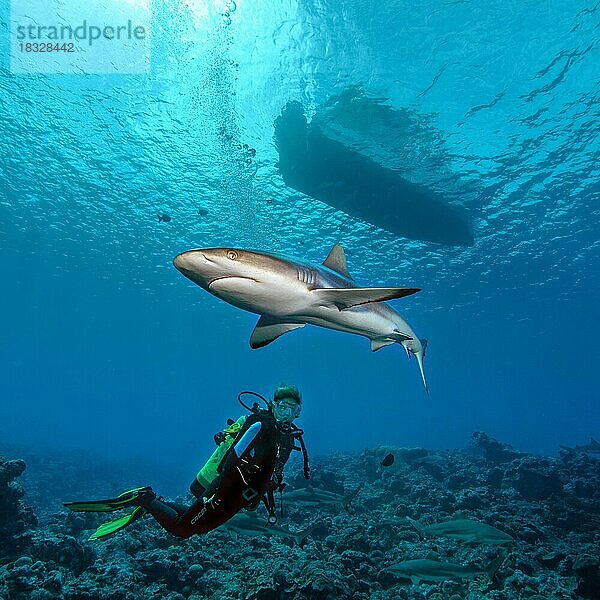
x,y
196,266
187,261
193,261
179,262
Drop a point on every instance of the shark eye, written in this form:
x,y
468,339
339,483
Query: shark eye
x,y
232,255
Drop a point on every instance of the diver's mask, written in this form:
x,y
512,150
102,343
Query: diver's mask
x,y
286,410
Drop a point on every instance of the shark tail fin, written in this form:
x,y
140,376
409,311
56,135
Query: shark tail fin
x,y
495,565
420,357
300,537
348,498
420,529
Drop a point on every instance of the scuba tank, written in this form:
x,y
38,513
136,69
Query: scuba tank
x,y
224,440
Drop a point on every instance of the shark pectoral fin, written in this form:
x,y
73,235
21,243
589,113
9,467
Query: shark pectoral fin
x,y
380,343
348,297
269,329
415,580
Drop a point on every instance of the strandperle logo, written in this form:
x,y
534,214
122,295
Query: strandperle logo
x,y
71,36
84,32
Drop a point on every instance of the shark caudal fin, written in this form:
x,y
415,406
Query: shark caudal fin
x,y
300,537
420,529
495,565
348,498
417,348
420,356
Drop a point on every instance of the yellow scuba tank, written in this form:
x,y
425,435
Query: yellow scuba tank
x,y
208,472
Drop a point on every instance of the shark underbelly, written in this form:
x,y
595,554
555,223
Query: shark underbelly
x,y
279,298
358,320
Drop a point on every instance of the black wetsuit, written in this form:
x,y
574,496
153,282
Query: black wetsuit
x,y
252,466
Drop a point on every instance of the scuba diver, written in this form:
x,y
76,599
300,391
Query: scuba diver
x,y
245,469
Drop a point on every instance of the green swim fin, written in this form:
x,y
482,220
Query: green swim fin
x,y
125,500
111,527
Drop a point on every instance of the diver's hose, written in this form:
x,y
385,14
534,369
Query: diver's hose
x,y
255,407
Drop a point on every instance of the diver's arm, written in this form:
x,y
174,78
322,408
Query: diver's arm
x,y
244,442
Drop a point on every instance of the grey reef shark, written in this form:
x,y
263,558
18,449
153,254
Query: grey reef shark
x,y
592,448
310,496
289,294
250,524
430,571
465,530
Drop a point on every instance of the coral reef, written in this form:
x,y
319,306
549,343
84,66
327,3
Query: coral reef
x,y
15,518
549,506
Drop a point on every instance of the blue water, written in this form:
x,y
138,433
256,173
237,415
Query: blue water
x,y
104,346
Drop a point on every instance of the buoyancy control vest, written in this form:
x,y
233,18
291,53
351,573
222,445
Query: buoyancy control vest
x,y
258,472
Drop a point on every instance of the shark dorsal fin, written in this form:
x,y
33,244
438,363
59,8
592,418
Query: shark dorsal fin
x,y
336,261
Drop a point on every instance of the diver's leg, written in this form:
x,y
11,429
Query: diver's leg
x,y
191,520
166,516
188,518
203,517
180,508
197,488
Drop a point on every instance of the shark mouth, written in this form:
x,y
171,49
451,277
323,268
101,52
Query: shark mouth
x,y
232,278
